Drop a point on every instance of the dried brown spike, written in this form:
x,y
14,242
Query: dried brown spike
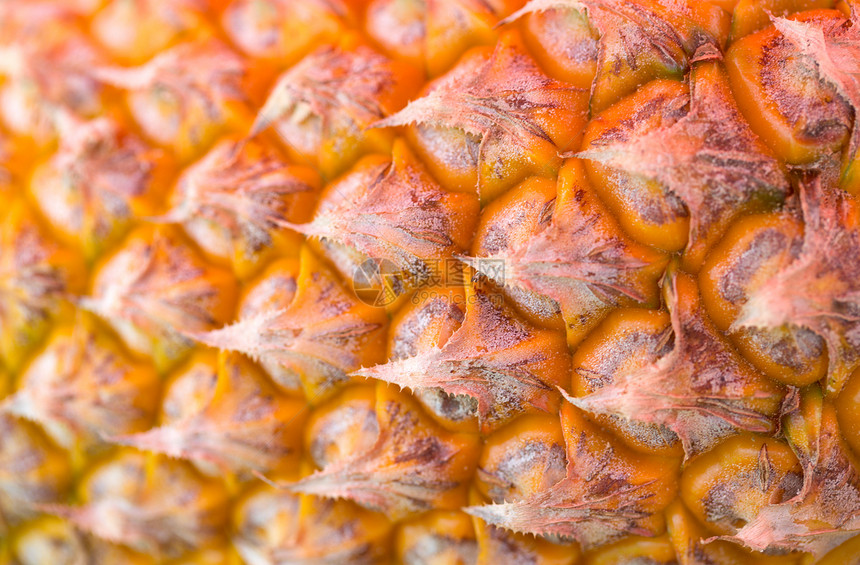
x,y
506,364
414,465
702,390
609,491
820,289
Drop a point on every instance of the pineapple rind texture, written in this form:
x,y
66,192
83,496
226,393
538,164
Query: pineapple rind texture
x,y
427,282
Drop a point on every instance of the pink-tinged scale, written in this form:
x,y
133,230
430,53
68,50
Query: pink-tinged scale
x,y
702,389
393,210
831,49
284,30
508,365
273,290
493,119
83,387
47,62
819,289
641,40
826,512
136,30
316,336
33,471
525,457
575,254
132,499
189,389
498,546
626,341
99,181
156,290
437,537
184,97
322,107
423,324
563,42
753,249
238,200
37,278
706,155
7,175
657,550
414,464
247,425
342,426
432,34
728,486
508,223
693,546
49,539
802,117
608,492
275,526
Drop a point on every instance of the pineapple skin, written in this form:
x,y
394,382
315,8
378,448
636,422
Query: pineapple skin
x,y
429,282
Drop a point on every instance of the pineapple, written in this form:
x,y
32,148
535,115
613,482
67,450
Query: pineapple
x,y
429,282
